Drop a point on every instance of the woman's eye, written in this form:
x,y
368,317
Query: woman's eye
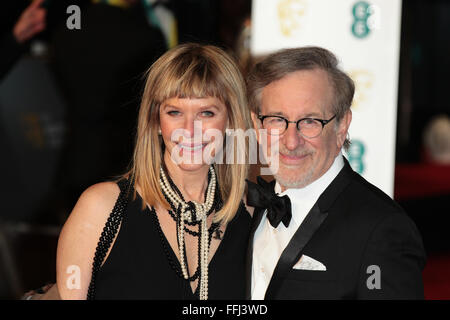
x,y
207,113
173,113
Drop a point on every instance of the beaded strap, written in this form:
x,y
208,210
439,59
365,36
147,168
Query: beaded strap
x,y
108,233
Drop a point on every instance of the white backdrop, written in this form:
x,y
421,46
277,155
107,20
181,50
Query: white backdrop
x,y
365,36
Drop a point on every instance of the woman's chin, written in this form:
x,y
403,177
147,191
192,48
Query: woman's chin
x,y
191,160
193,167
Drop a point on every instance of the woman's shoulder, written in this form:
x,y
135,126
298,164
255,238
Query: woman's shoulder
x,y
95,197
93,207
102,193
79,235
95,204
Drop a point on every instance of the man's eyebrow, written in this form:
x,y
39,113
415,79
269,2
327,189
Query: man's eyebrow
x,y
313,115
307,115
278,113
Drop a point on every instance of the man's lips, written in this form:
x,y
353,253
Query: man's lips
x,y
292,159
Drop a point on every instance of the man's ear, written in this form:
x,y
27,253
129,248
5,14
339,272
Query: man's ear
x,y
256,124
342,130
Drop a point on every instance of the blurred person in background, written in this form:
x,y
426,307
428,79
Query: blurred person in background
x,y
436,140
100,68
13,43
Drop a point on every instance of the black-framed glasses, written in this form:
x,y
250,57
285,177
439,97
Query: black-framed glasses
x,y
308,127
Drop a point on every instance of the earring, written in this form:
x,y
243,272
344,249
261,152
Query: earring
x,y
159,132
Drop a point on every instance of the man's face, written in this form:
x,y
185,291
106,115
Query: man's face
x,y
298,95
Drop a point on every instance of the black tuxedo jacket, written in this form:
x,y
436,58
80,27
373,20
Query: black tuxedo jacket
x,y
352,226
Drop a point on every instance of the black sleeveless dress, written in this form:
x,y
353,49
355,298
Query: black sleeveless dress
x,y
138,268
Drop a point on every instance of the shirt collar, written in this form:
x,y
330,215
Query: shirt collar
x,y
310,194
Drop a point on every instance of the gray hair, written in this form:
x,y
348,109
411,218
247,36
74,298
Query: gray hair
x,y
281,63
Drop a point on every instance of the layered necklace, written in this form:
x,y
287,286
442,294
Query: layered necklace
x,y
193,213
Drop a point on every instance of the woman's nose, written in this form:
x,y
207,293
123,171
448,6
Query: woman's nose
x,y
192,127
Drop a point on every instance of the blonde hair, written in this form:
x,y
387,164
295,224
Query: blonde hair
x,y
190,71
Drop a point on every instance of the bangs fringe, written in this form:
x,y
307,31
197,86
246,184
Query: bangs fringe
x,y
190,79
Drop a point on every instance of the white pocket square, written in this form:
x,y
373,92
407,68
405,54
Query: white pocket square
x,y
308,263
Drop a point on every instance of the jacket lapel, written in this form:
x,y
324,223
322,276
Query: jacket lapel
x,y
305,232
293,251
257,216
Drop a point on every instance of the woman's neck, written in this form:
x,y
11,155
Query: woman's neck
x,y
192,184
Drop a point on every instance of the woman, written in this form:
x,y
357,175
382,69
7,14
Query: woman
x,y
183,231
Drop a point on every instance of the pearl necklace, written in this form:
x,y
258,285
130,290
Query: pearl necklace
x,y
193,211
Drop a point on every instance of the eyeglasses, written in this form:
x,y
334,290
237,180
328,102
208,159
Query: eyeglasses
x,y
308,127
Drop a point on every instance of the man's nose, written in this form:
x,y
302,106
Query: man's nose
x,y
292,138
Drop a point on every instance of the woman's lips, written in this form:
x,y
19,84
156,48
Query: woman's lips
x,y
192,147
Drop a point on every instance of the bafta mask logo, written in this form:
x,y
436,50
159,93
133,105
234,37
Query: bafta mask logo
x,y
363,80
290,13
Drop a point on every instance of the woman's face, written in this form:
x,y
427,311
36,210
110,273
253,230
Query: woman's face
x,y
192,130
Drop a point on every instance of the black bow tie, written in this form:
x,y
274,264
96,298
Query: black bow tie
x,y
262,195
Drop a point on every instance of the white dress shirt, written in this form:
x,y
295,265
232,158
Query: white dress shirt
x,y
269,242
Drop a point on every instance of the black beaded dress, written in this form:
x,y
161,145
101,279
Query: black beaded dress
x,y
138,267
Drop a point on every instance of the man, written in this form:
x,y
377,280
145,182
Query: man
x,y
344,238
